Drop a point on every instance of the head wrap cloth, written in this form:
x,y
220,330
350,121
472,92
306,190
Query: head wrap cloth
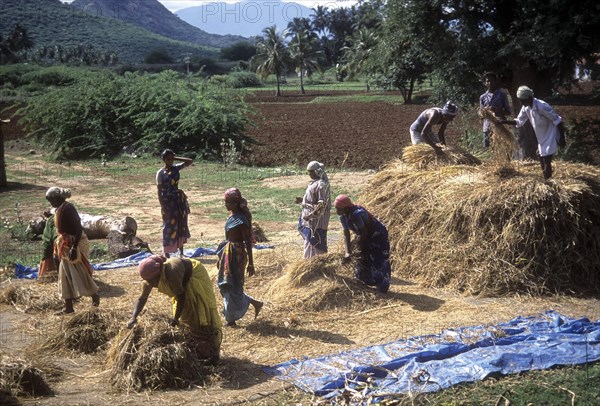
x,y
150,267
342,201
316,166
233,195
524,92
58,192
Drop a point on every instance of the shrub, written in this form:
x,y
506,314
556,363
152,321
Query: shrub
x,y
102,113
238,80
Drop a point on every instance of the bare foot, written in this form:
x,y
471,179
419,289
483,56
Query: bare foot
x,y
257,306
231,324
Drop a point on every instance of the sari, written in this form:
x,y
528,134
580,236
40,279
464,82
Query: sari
x,y
74,276
232,262
200,307
373,268
176,210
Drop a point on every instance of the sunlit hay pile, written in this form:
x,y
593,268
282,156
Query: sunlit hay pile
x,y
423,156
502,139
153,355
484,230
18,378
87,332
31,297
320,283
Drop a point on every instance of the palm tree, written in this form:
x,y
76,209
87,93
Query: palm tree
x,y
272,55
303,53
356,56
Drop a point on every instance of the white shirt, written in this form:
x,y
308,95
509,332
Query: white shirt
x,y
544,121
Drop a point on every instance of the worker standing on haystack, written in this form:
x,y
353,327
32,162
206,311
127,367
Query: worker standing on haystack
x,y
316,210
373,267
421,131
494,99
72,249
186,281
548,126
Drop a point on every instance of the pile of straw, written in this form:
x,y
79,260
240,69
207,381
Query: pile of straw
x,y
423,156
18,378
87,332
154,356
259,233
503,142
32,298
492,230
320,283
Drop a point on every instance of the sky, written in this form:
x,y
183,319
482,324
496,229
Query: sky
x,y
174,5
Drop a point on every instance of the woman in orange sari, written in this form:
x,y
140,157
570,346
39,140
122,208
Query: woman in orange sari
x,y
72,249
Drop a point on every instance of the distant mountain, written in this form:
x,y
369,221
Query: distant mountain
x,y
247,18
50,23
153,16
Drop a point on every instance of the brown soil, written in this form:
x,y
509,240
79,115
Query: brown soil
x,y
290,133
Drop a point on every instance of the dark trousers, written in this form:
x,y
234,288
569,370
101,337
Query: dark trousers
x,y
546,162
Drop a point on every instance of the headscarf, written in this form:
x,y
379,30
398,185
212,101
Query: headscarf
x,y
342,201
524,92
319,169
235,196
150,267
58,192
450,109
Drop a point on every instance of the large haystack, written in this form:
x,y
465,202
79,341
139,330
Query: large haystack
x,y
423,156
490,229
154,356
87,332
320,283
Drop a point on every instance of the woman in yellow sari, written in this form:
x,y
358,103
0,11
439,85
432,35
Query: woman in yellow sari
x,y
186,281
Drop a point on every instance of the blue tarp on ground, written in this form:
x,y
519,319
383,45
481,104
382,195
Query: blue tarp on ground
x,y
26,272
433,362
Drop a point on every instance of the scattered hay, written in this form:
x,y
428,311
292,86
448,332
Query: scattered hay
x,y
503,141
320,283
18,378
423,156
87,332
154,356
33,297
492,230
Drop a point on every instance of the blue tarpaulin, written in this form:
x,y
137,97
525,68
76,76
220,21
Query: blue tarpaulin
x,y
433,362
26,272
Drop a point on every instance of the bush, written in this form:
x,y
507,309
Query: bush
x,y
100,114
13,73
238,80
54,76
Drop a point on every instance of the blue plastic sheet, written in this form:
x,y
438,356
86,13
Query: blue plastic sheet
x,y
26,272
433,362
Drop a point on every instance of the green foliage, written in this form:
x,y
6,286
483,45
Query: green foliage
x,y
158,55
582,140
272,56
238,80
51,23
103,113
17,229
53,76
240,51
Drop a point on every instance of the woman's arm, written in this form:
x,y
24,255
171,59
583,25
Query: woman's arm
x,y
186,161
247,235
139,305
347,247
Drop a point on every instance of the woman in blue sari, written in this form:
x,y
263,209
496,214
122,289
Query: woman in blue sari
x,y
173,203
234,254
373,267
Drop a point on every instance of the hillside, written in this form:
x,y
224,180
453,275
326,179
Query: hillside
x,y
151,15
50,22
247,18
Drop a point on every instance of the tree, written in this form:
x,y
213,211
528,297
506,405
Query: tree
x,y
526,41
158,55
303,54
272,56
240,51
356,56
18,40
